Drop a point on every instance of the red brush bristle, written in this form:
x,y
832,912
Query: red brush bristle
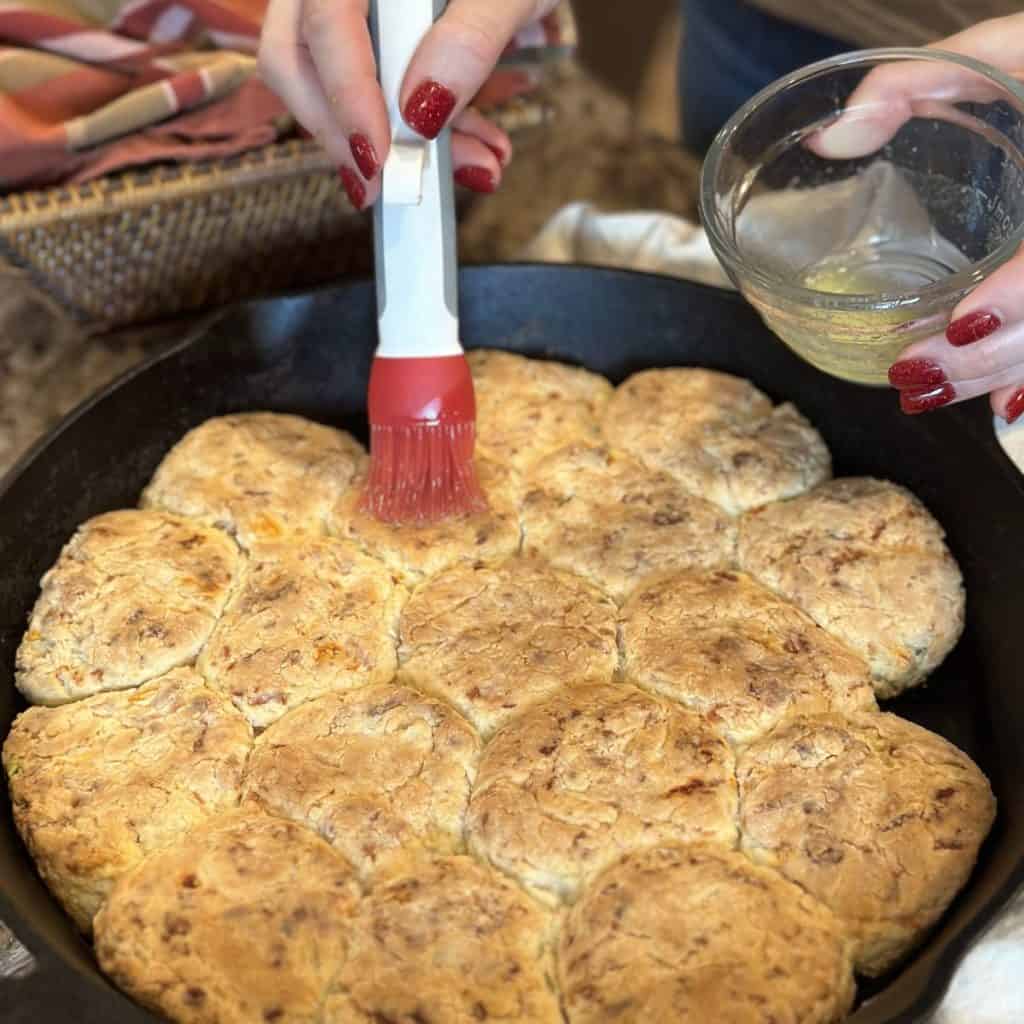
x,y
422,435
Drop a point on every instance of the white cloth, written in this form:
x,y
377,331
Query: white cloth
x,y
987,987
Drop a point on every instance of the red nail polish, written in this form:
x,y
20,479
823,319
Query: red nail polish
x,y
1015,406
353,186
972,327
428,108
915,374
914,402
364,155
479,179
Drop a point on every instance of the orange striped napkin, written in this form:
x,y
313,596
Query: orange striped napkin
x,y
92,86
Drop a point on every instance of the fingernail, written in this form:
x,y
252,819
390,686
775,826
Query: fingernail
x,y
364,155
1015,406
479,179
353,186
916,374
428,108
972,327
914,402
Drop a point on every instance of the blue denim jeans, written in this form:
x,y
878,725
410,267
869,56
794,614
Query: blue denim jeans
x,y
730,52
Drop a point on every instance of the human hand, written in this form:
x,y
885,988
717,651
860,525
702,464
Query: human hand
x,y
982,349
318,57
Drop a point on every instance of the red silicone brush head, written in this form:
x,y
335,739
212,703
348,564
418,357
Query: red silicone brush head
x,y
422,434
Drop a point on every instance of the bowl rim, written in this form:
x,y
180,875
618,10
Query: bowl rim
x,y
727,251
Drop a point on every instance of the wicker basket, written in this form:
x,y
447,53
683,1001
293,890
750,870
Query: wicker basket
x,y
142,246
137,247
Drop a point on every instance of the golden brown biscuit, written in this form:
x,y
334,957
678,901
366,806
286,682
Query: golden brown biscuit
x,y
495,640
133,595
571,784
601,514
98,785
698,933
373,771
258,475
728,648
865,559
249,919
309,616
718,435
878,818
417,552
526,408
450,940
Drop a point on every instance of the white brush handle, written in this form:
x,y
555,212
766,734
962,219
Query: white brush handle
x,y
414,220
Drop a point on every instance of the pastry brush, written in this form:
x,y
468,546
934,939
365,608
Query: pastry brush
x,y
421,404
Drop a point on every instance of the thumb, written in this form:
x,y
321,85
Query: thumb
x,y
458,55
894,92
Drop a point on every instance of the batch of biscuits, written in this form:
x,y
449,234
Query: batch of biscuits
x,y
609,750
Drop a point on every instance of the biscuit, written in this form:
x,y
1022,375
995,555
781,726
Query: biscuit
x,y
450,940
876,817
416,552
258,475
866,560
494,640
373,771
133,595
526,408
573,783
603,515
97,785
733,651
718,435
698,933
309,616
248,919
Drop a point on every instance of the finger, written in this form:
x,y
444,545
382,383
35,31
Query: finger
x,y
505,84
1008,402
338,39
476,167
980,351
457,56
286,67
472,122
893,93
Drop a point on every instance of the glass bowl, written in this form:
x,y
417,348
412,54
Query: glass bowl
x,y
854,224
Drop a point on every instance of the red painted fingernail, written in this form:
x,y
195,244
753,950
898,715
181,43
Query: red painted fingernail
x,y
364,155
479,179
1015,406
428,108
914,402
915,374
971,328
353,186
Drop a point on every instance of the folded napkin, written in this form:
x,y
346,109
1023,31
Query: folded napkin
x,y
986,988
92,86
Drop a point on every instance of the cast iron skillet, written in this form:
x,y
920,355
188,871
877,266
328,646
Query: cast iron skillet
x,y
310,354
